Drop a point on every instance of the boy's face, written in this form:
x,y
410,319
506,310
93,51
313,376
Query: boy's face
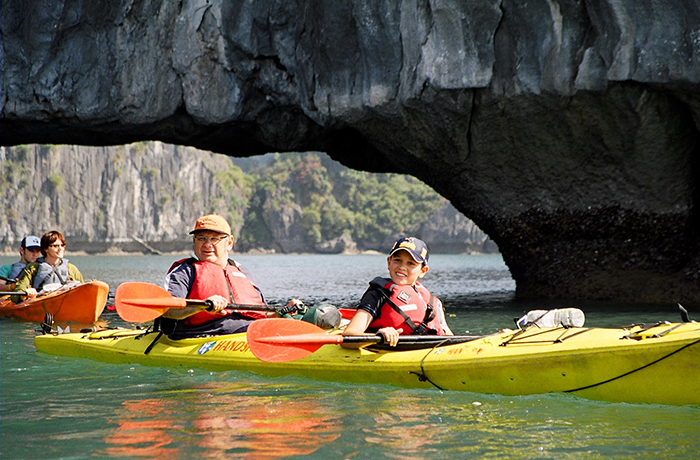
x,y
404,270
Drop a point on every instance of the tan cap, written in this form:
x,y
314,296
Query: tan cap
x,y
212,222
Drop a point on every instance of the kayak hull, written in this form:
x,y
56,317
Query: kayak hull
x,y
618,365
81,304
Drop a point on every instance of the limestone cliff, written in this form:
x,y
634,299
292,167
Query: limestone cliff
x,y
566,129
145,197
109,197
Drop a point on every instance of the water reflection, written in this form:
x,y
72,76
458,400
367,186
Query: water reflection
x,y
403,427
222,420
263,427
144,430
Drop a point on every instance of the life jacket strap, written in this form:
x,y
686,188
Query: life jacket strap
x,y
423,328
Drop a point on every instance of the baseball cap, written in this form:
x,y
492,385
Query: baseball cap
x,y
31,242
417,248
212,222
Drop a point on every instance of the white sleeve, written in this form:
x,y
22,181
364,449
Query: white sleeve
x,y
440,311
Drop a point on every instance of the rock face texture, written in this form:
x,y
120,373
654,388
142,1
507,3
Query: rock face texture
x,y
145,197
133,198
567,130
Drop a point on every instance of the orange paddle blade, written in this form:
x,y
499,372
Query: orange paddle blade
x,y
278,340
141,302
164,302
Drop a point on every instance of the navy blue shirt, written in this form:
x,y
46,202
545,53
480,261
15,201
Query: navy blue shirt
x,y
372,302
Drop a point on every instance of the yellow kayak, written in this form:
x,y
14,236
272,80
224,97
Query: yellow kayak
x,y
657,363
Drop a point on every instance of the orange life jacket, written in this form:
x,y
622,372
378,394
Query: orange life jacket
x,y
229,282
411,308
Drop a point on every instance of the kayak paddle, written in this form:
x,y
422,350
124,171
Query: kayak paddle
x,y
138,302
279,340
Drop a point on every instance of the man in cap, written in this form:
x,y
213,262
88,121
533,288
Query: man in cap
x,y
29,251
210,275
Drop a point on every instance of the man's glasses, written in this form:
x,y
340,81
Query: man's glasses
x,y
57,245
209,239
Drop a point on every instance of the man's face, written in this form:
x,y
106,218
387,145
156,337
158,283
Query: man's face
x,y
28,256
212,247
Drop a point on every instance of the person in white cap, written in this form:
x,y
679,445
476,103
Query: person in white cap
x,y
400,304
29,251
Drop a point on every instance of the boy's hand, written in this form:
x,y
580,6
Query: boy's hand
x,y
391,335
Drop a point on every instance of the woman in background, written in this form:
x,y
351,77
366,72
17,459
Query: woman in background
x,y
48,272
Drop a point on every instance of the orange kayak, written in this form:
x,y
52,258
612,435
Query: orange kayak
x,y
81,304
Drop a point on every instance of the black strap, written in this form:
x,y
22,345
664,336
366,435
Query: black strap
x,y
409,322
153,344
230,291
429,316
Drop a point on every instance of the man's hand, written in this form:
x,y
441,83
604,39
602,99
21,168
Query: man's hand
x,y
218,302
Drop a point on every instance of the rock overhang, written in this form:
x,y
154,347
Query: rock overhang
x,y
567,131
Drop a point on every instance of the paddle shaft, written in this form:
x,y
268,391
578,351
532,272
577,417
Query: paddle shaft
x,y
9,280
412,339
208,305
139,302
12,293
277,340
328,339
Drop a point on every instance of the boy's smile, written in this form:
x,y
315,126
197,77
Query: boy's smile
x,y
403,270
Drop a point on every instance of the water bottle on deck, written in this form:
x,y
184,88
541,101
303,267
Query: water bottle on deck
x,y
566,317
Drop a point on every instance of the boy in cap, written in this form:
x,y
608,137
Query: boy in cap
x,y
29,251
400,304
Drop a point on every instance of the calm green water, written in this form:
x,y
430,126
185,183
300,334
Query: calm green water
x,y
65,408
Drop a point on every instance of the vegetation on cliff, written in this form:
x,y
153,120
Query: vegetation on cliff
x,y
335,202
145,196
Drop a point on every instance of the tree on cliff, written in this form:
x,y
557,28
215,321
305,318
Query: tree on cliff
x,y
331,203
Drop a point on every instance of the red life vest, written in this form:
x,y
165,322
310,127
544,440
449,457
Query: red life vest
x,y
411,308
229,282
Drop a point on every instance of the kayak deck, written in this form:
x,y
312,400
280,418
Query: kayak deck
x,y
657,364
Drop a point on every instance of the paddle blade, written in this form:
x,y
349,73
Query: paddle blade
x,y
141,302
156,304
279,340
